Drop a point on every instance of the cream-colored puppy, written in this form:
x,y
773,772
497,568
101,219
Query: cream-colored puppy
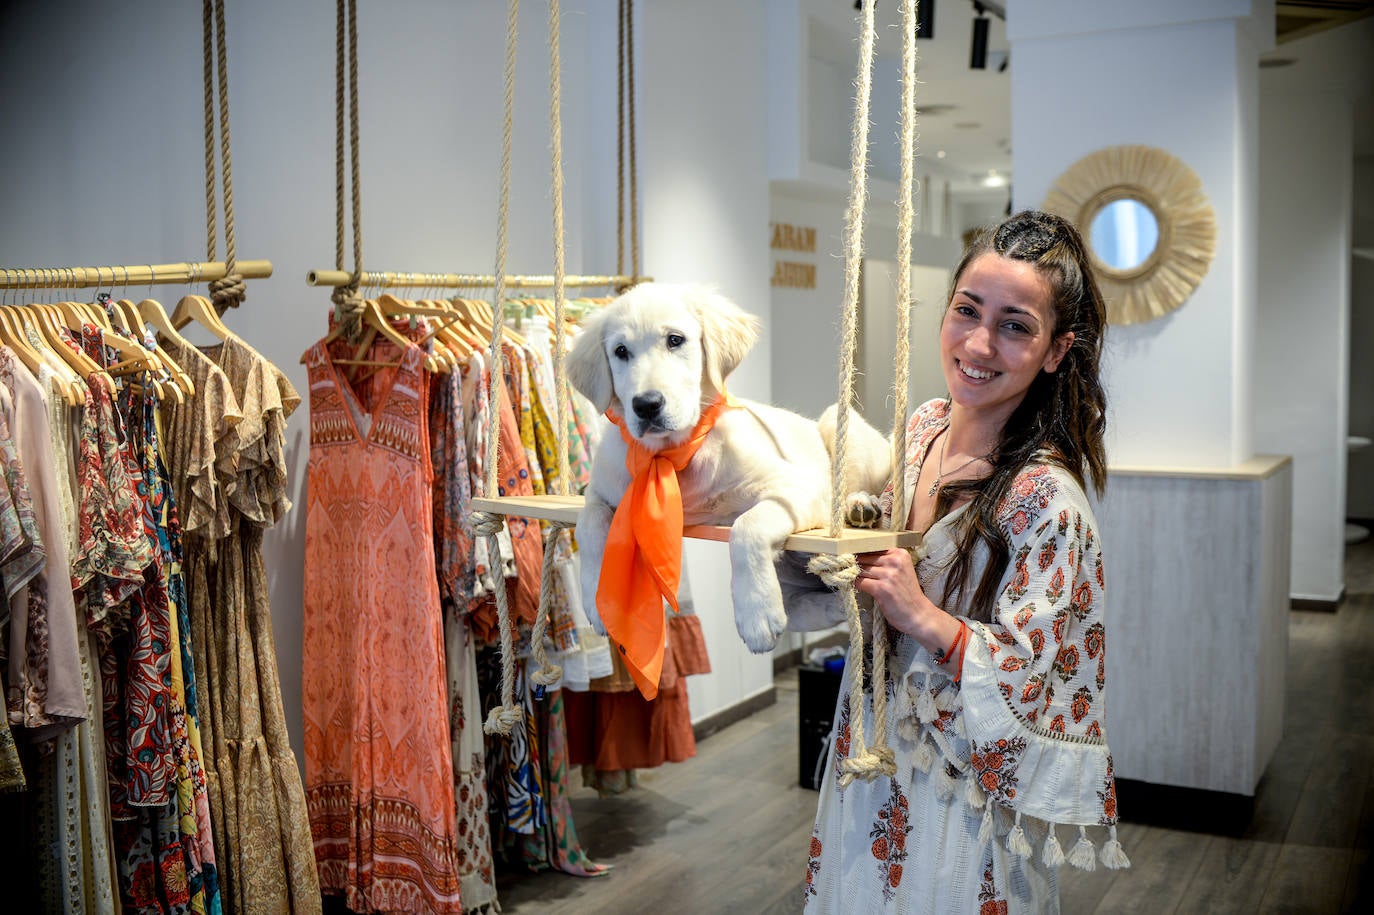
x,y
657,356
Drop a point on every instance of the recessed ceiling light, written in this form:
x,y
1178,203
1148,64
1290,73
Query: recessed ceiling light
x,y
940,154
992,179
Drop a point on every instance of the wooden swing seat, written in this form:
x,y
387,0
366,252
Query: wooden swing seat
x,y
850,540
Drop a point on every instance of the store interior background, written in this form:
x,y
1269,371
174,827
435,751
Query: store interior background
x,y
743,121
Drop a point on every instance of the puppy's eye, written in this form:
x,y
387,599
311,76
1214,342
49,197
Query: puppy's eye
x,y
621,351
676,340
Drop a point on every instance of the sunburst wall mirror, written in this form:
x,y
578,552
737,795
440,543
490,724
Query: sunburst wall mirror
x,y
1148,225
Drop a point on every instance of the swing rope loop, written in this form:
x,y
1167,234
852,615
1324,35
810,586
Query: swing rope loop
x,y
348,302
842,572
504,716
230,290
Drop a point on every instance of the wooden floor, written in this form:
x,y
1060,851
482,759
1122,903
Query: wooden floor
x,y
727,831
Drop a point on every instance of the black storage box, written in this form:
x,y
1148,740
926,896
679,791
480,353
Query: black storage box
x,y
818,689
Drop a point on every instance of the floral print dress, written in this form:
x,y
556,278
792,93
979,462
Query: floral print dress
x,y
990,768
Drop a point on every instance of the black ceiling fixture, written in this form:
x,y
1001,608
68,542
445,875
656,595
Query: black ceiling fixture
x,y
978,54
925,19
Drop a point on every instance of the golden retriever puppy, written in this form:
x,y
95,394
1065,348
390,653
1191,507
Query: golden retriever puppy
x,y
657,356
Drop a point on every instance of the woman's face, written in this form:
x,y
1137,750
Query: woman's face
x,y
998,335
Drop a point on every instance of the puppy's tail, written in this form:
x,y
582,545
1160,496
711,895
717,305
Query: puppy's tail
x,y
869,452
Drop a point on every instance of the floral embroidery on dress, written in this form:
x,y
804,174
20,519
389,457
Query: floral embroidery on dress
x,y
995,766
988,895
1108,796
813,867
842,736
889,839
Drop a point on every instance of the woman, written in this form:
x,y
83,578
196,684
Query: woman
x,y
996,697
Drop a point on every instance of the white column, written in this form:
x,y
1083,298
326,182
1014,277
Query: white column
x,y
1181,76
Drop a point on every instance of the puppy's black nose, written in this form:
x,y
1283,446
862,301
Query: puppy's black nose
x,y
647,406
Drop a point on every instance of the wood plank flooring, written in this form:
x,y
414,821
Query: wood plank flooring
x,y
728,830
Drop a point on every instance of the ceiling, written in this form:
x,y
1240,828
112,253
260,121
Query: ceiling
x,y
966,113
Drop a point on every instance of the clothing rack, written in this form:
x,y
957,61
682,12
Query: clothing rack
x,y
137,275
393,280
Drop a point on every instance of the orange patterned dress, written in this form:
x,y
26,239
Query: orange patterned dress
x,y
378,774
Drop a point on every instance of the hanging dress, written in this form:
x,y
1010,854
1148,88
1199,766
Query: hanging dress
x,y
378,764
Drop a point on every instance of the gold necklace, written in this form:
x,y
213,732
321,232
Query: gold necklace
x,y
940,467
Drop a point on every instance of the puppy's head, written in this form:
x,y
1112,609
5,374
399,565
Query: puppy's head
x,y
657,355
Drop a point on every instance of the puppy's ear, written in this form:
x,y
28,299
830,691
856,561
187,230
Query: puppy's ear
x,y
588,370
727,335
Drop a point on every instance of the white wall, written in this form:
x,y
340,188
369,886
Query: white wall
x,y
704,177
110,171
1178,386
1300,370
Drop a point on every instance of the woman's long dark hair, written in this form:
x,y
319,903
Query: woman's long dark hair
x,y
1063,416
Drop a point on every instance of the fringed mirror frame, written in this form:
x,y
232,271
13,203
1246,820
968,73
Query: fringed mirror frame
x,y
1187,226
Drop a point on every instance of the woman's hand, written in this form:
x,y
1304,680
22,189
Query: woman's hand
x,y
890,579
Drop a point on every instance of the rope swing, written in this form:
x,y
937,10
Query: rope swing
x,y
840,572
229,290
505,716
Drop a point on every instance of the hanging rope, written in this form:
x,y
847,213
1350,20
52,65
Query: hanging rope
x,y
348,303
625,123
503,717
841,572
549,674
230,290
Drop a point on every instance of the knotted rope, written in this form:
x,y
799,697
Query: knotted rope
x,y
549,674
348,302
230,290
840,573
503,717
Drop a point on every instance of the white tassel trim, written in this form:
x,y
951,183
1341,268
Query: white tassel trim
x,y
1082,855
926,711
1053,853
925,754
1113,855
973,795
985,828
944,784
1017,843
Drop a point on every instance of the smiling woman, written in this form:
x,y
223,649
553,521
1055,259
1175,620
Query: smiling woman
x,y
997,728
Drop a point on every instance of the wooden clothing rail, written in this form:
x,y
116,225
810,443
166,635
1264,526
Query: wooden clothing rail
x,y
133,275
393,280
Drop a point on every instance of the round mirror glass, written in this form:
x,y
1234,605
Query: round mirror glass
x,y
1124,234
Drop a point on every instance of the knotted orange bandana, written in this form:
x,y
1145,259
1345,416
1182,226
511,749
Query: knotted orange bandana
x,y
642,564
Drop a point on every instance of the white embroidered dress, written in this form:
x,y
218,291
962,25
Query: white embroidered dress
x,y
989,768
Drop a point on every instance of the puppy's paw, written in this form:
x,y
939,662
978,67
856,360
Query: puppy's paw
x,y
861,509
761,632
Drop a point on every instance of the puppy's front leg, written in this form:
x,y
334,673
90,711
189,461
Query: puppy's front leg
x,y
755,539
593,525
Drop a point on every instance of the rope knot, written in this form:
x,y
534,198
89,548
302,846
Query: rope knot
x,y
487,524
548,675
835,571
228,292
502,719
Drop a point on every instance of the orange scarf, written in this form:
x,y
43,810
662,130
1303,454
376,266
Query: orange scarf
x,y
642,564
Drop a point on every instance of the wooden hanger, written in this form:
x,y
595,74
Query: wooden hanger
x,y
151,311
378,324
13,333
76,357
198,308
